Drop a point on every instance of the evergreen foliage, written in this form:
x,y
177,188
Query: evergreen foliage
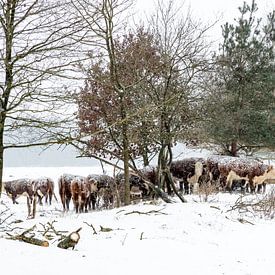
x,y
240,103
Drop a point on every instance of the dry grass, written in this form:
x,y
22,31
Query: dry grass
x,y
206,191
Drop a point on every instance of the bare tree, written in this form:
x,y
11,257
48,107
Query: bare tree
x,y
101,18
158,94
35,53
184,56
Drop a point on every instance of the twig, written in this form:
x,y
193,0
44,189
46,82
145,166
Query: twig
x,y
215,207
264,206
1,222
28,230
124,239
49,228
120,211
90,225
4,211
147,213
241,220
14,228
16,221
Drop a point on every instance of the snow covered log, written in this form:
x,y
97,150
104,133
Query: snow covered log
x,y
70,241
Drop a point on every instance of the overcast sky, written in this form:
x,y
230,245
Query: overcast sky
x,y
51,157
210,10
206,10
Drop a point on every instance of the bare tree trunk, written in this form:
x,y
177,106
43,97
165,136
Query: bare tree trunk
x,y
165,177
1,159
126,160
165,154
234,149
8,19
144,142
163,168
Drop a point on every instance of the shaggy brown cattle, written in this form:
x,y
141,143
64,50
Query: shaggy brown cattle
x,y
270,176
234,177
80,190
44,187
136,183
64,186
212,167
102,181
102,188
93,185
19,187
105,197
244,169
184,170
260,181
150,174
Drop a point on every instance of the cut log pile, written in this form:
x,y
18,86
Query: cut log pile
x,y
49,232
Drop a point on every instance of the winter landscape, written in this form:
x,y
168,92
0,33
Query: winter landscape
x,y
168,107
216,236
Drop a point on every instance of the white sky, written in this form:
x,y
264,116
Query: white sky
x,y
209,10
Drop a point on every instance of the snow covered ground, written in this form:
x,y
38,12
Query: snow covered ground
x,y
191,238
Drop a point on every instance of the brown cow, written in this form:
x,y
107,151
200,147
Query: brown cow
x,y
64,186
94,185
259,182
137,182
185,171
44,187
102,187
234,177
244,169
80,190
19,187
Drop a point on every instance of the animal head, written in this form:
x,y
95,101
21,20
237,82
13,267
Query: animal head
x,y
270,173
198,168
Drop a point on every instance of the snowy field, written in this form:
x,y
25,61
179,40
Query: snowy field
x,y
191,238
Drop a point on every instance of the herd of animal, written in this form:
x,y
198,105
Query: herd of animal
x,y
225,173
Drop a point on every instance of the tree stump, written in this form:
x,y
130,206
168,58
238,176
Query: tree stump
x,y
70,241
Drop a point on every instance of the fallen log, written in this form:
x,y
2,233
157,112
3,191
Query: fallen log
x,y
70,241
31,240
